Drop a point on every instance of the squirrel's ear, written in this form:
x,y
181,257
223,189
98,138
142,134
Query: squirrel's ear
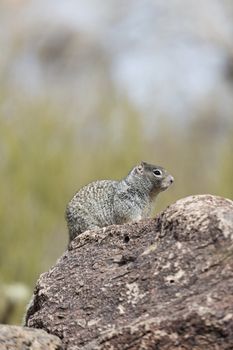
x,y
139,169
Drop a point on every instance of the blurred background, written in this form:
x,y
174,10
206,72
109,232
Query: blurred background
x,y
87,90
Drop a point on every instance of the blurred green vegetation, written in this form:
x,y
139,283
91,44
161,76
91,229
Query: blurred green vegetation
x,y
45,158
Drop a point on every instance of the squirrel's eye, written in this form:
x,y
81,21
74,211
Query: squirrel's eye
x,y
157,172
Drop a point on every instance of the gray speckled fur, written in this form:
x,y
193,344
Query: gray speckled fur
x,y
107,202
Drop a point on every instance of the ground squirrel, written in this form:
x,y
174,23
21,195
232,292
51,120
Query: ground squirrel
x,y
108,202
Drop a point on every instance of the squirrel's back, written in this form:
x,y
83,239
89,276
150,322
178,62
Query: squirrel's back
x,y
91,206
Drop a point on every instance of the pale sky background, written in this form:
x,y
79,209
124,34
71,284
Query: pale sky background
x,y
164,56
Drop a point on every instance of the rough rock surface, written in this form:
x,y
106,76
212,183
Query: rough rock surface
x,y
163,283
22,338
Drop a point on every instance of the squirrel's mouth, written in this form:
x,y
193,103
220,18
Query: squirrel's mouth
x,y
167,182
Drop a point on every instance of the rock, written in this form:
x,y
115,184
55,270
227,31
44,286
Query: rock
x,y
161,283
22,338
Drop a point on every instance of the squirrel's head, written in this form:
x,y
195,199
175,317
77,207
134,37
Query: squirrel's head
x,y
153,177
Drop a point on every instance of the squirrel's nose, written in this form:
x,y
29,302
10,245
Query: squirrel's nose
x,y
171,179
